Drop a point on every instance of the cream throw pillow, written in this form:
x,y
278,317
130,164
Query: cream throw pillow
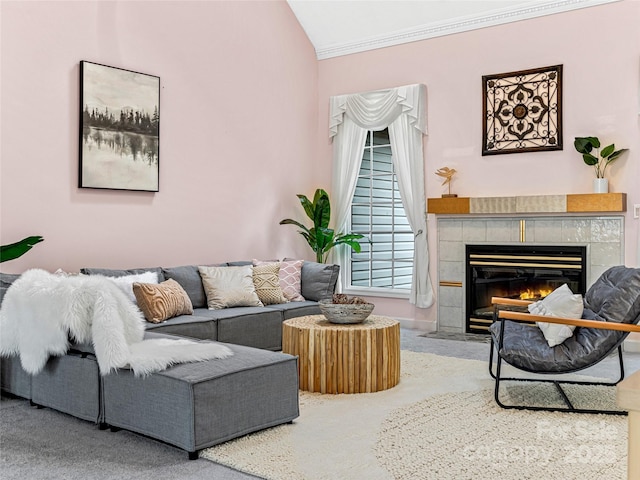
x,y
266,281
162,301
229,287
562,302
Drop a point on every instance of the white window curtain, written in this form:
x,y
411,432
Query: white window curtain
x,y
403,111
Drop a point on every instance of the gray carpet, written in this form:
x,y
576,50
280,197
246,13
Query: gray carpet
x,y
45,444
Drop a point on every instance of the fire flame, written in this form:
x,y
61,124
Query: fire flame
x,y
529,294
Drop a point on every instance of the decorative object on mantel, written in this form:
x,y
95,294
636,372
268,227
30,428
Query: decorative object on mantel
x,y
119,129
15,250
522,111
344,309
447,173
320,237
600,161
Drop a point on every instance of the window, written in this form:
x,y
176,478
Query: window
x,y
377,212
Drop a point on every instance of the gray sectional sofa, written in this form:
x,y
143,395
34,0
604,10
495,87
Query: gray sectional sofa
x,y
193,405
259,327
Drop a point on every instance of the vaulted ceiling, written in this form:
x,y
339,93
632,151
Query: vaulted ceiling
x,y
348,26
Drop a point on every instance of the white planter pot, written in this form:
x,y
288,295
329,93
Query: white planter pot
x,y
600,185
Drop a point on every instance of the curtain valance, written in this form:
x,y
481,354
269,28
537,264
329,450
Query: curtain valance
x,y
377,110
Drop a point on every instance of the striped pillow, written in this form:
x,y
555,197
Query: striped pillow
x,y
162,301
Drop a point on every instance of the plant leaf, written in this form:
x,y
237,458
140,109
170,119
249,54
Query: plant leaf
x,y
606,151
288,221
307,205
351,236
616,154
324,237
15,250
589,159
322,207
355,246
312,239
319,193
583,144
307,237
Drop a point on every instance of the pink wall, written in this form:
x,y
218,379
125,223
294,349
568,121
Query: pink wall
x,y
244,108
238,130
600,50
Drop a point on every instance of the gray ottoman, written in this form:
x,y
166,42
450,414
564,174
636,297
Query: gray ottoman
x,y
197,405
69,384
13,378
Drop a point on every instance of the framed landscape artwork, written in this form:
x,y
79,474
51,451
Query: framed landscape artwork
x,y
119,129
522,111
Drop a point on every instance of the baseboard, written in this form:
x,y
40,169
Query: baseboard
x,y
631,345
412,323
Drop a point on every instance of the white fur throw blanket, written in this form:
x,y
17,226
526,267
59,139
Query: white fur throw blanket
x,y
41,311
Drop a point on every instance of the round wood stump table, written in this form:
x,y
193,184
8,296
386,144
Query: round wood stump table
x,y
337,358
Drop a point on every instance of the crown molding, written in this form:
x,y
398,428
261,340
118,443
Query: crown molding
x,y
461,24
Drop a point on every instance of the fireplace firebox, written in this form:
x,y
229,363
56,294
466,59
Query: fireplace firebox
x,y
517,271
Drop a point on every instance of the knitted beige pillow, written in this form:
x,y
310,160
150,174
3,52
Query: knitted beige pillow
x,y
289,277
266,281
162,301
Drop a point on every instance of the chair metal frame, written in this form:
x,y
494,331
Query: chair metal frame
x,y
503,315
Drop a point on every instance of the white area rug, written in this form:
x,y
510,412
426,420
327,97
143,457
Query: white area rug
x,y
440,422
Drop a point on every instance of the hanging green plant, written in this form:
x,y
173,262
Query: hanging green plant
x,y
320,237
15,250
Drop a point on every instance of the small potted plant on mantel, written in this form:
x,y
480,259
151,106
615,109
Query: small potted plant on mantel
x,y
600,161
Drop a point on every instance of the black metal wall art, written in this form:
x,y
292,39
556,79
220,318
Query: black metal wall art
x,y
119,129
522,111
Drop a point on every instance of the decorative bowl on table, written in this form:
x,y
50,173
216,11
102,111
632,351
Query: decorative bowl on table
x,y
345,313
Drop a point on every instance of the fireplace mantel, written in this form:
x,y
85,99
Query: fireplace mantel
x,y
569,203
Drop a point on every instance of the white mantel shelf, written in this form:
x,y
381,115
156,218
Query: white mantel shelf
x,y
569,203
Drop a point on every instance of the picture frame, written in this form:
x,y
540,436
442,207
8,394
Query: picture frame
x,y
119,129
522,111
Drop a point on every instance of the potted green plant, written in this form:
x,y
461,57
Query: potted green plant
x,y
15,250
320,237
600,161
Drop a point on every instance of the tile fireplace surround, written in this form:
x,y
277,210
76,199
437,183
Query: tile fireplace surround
x,y
603,235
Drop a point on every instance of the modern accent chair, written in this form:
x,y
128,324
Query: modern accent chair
x,y
611,312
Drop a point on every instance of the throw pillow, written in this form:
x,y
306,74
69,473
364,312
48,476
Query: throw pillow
x,y
319,280
229,287
562,302
266,281
290,278
162,301
126,282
